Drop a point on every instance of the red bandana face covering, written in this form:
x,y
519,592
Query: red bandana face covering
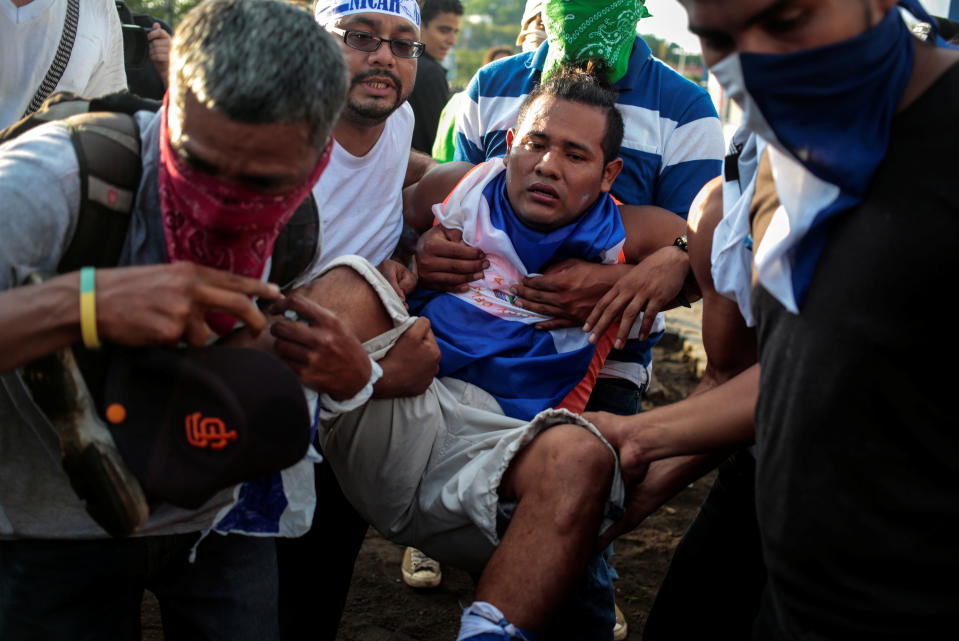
x,y
222,224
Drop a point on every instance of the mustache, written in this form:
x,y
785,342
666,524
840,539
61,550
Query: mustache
x,y
374,73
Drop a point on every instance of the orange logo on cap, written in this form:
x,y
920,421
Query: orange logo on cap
x,y
207,432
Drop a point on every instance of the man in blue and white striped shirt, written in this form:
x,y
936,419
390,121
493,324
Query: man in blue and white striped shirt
x,y
673,145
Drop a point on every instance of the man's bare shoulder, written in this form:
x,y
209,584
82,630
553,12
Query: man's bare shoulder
x,y
442,179
432,188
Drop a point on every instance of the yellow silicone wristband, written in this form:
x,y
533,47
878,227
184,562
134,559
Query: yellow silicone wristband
x,y
88,308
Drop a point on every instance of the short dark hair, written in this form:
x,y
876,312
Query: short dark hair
x,y
432,8
587,85
493,52
260,61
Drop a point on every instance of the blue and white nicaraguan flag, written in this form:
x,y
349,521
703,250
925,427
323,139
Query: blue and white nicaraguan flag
x,y
826,114
485,339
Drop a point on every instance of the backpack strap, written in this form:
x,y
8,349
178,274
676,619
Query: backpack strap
x,y
297,244
63,104
107,146
59,106
60,59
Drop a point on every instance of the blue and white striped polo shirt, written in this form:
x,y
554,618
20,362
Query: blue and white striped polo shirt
x,y
673,142
672,145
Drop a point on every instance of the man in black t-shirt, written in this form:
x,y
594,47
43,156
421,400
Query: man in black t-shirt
x,y
857,487
440,26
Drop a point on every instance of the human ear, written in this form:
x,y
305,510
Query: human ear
x,y
510,136
610,171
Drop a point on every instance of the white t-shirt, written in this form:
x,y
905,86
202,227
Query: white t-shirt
x,y
29,37
361,198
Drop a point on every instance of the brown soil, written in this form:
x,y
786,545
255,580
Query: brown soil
x,y
381,607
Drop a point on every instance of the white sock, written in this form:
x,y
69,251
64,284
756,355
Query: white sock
x,y
482,617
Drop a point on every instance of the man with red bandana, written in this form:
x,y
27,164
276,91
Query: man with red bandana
x,y
242,137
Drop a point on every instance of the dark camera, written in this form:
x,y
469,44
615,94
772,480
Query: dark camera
x,y
136,47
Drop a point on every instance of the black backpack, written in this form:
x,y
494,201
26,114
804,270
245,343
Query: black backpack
x,y
106,139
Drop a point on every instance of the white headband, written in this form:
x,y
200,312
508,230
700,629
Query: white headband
x,y
327,11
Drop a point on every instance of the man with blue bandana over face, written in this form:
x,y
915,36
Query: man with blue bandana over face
x,y
855,217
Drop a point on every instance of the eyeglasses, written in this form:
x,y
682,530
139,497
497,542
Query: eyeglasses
x,y
364,41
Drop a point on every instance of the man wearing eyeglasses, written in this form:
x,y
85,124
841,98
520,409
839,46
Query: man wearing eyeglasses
x,y
361,208
361,200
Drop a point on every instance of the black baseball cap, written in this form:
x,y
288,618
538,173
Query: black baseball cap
x,y
191,422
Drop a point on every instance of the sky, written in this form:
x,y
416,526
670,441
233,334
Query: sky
x,y
669,21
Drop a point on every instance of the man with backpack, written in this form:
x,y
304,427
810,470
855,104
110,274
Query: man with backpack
x,y
233,152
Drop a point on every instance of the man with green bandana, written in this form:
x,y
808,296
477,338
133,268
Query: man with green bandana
x,y
584,31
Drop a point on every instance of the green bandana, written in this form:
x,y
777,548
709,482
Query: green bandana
x,y
578,30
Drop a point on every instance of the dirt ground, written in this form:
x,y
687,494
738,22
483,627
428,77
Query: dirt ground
x,y
381,607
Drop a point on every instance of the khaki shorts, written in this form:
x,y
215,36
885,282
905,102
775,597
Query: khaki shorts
x,y
425,470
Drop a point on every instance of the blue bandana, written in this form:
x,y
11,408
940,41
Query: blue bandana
x,y
328,11
826,114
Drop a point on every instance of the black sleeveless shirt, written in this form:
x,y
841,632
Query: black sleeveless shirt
x,y
858,413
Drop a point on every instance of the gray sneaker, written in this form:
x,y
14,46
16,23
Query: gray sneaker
x,y
620,628
419,570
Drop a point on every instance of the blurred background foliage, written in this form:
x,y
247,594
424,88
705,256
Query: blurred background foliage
x,y
170,11
485,24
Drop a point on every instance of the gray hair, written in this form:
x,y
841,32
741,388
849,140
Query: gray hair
x,y
260,61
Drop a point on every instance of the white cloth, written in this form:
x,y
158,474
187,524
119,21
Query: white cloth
x,y
485,618
29,37
732,258
361,197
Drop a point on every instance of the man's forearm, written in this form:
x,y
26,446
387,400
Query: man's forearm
x,y
417,167
396,381
663,481
667,477
390,384
714,420
38,320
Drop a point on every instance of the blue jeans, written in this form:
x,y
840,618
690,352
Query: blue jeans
x,y
92,589
588,614
616,396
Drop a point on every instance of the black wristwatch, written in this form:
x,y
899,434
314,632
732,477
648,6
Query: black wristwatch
x,y
681,243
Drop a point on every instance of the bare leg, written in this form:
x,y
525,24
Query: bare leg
x,y
347,294
561,481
